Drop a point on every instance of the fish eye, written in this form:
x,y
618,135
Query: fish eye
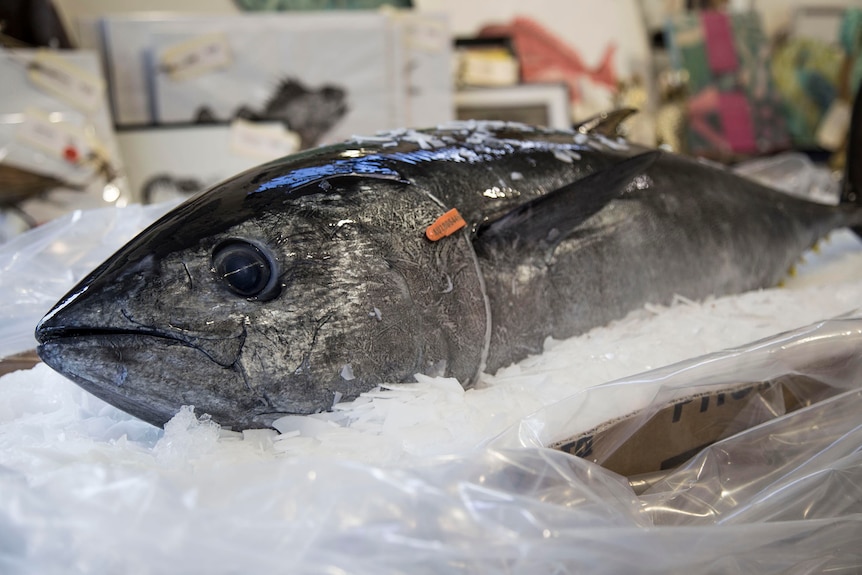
x,y
247,269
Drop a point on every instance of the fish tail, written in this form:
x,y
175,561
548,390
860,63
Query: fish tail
x,y
851,194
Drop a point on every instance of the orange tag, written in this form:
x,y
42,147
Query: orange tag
x,y
445,225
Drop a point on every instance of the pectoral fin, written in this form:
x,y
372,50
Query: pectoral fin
x,y
545,221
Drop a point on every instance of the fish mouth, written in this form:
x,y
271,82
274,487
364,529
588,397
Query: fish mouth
x,y
148,373
47,335
223,350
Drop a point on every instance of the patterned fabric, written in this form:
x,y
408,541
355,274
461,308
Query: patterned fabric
x,y
733,108
806,73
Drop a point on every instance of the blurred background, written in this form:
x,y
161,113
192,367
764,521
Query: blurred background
x,y
111,103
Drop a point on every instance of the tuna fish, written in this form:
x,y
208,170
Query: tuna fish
x,y
451,251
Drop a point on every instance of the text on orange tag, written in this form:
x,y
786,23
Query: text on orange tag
x,y
445,225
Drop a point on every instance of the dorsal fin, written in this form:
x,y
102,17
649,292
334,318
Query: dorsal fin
x,y
545,221
606,123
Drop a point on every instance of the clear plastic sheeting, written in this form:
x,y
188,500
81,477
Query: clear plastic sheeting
x,y
39,267
703,399
795,174
783,496
806,465
328,516
792,464
497,511
742,461
510,511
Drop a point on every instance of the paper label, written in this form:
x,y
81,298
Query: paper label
x,y
487,68
58,139
57,76
196,57
262,141
424,34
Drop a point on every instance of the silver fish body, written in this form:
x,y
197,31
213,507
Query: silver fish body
x,y
310,279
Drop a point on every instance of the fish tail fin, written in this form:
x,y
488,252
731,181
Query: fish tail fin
x,y
851,193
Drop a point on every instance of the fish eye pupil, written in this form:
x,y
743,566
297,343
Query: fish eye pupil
x,y
243,273
244,267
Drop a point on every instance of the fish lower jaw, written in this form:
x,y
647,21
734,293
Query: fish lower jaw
x,y
149,376
98,357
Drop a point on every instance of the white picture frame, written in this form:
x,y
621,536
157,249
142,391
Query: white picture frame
x,y
540,104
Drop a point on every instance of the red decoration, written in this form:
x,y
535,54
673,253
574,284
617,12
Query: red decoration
x,y
70,154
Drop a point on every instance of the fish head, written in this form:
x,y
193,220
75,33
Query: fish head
x,y
250,302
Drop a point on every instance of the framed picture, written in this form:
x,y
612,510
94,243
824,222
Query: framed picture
x,y
272,65
165,163
326,75
536,104
593,47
